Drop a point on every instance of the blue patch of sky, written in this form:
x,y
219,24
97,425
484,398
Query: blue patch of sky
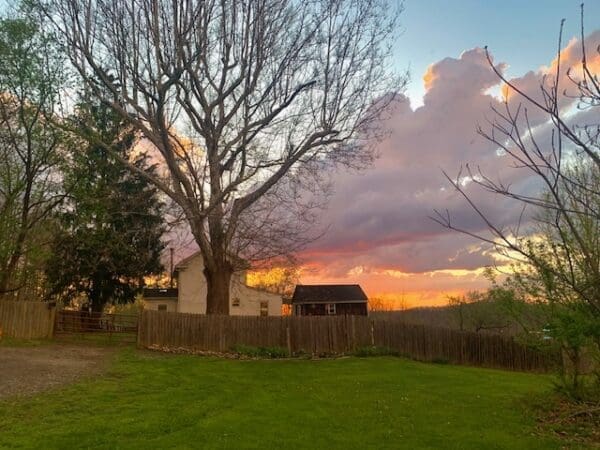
x,y
523,33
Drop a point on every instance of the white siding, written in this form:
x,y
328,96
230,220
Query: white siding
x,y
250,300
192,292
192,286
152,303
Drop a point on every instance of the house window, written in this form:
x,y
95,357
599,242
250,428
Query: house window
x,y
264,308
235,302
330,308
162,307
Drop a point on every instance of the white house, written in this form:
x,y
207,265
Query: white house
x,y
190,295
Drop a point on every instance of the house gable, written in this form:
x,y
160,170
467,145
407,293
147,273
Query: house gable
x,y
244,300
329,299
329,293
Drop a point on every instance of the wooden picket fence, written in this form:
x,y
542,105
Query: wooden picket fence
x,y
322,335
26,320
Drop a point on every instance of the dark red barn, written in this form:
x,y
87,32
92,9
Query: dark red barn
x,y
329,299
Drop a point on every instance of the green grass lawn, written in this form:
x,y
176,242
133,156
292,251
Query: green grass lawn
x,y
150,400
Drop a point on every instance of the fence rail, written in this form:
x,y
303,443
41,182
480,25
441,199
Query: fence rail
x,y
335,335
26,320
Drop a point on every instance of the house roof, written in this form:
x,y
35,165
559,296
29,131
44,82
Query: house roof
x,y
329,293
185,261
160,293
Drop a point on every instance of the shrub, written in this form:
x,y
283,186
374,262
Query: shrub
x,y
364,352
261,352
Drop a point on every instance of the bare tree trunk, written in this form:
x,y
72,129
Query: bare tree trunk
x,y
218,280
95,295
17,251
11,267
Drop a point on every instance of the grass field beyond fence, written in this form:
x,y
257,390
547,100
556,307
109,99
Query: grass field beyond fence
x,y
335,335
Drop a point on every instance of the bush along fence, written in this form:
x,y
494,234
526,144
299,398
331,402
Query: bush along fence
x,y
27,320
318,335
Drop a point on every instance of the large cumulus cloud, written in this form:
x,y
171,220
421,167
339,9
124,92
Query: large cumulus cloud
x,y
379,219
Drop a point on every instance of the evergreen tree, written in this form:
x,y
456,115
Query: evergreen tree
x,y
112,225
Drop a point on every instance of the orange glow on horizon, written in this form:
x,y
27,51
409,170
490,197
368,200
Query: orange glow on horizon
x,y
395,289
416,299
280,280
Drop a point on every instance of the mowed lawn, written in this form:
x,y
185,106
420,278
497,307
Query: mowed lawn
x,y
151,400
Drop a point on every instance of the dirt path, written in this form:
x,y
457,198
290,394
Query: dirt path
x,y
26,370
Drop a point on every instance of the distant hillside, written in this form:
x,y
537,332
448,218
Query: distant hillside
x,y
482,317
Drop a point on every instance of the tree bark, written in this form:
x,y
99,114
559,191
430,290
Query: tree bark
x,y
94,296
218,280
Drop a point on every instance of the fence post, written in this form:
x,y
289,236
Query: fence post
x,y
140,325
372,333
289,340
353,333
52,321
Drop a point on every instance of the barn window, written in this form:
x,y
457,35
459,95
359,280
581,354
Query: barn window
x,y
330,307
264,308
236,302
162,307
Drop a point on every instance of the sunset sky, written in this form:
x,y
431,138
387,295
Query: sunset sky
x,y
379,232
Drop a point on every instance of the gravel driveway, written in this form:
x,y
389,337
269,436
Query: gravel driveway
x,y
26,370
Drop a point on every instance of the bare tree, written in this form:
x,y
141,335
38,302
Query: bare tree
x,y
555,243
279,279
236,97
565,169
477,311
383,304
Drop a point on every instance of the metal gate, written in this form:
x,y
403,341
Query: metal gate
x,y
97,325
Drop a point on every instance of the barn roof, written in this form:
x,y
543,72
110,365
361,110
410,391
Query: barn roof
x,y
329,293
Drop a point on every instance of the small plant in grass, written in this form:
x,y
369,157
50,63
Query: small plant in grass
x,y
440,361
261,352
374,350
